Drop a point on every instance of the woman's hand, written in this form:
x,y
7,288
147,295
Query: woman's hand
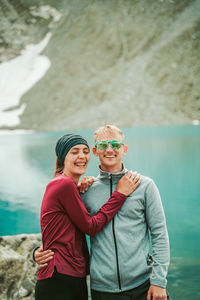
x,y
85,183
128,183
42,257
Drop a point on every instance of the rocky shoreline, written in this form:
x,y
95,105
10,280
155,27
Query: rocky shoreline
x,y
18,271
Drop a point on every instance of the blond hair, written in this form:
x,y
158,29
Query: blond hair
x,y
108,129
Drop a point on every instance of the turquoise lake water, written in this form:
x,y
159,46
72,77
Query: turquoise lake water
x,y
170,155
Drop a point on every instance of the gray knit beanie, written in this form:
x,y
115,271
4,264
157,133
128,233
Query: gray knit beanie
x,y
65,143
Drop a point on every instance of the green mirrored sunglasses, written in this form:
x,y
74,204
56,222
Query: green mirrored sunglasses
x,y
102,145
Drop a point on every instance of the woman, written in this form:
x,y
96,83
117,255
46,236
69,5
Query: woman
x,y
64,220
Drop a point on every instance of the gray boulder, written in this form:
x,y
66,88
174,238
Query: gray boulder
x,y
18,272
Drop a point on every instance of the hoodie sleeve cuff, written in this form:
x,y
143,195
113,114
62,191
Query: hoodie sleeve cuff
x,y
34,253
157,282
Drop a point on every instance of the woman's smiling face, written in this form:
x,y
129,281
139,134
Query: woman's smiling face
x,y
76,161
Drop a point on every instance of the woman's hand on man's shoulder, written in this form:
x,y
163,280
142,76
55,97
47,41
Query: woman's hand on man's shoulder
x,y
85,183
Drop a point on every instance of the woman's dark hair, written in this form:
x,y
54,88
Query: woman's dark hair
x,y
58,167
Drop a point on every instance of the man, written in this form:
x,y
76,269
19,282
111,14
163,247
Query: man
x,y
121,266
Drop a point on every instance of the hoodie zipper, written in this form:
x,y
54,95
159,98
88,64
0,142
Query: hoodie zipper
x,y
115,241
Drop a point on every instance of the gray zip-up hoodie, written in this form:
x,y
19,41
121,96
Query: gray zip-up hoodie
x,y
120,252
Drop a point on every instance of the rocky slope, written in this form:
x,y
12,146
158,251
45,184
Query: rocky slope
x,y
23,23
132,63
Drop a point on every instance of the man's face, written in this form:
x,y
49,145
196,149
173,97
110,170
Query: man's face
x,y
110,159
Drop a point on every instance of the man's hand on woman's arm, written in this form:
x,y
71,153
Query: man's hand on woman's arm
x,y
42,257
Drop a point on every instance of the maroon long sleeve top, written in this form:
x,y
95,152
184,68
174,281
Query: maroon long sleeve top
x,y
64,220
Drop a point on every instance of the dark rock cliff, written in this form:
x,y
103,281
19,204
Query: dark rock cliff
x,y
132,63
